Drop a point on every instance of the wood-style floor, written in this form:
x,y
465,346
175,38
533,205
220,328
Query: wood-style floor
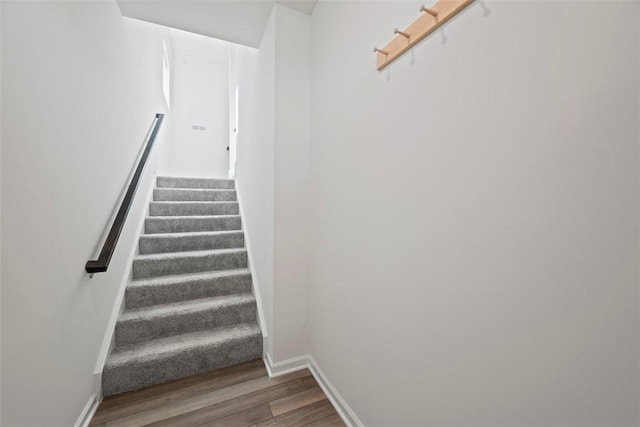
x,y
241,395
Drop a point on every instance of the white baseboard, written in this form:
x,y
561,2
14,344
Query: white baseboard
x,y
285,366
344,410
97,385
308,362
87,413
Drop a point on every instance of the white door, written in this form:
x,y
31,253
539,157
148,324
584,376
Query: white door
x,y
234,139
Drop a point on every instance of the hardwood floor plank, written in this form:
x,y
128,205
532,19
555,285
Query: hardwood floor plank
x,y
202,400
330,421
302,416
242,395
126,404
156,390
246,418
242,403
295,401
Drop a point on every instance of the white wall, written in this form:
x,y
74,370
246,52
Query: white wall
x,y
75,111
274,172
0,206
475,232
199,97
255,175
291,183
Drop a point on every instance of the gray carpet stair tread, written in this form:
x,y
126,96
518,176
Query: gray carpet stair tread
x,y
175,318
189,254
193,182
166,347
194,194
183,234
198,190
194,203
185,217
184,287
191,223
178,278
185,307
190,241
170,263
177,208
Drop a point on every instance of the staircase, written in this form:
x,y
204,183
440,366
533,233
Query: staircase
x,y
189,308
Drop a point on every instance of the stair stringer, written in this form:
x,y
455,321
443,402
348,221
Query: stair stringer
x,y
255,286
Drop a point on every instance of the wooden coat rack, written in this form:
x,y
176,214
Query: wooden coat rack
x,y
431,19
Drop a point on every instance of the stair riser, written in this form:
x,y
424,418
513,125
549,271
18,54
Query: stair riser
x,y
168,182
144,373
142,296
186,225
192,208
179,195
135,331
164,244
143,268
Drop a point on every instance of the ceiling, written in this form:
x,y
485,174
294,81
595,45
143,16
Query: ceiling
x,y
185,44
237,21
304,6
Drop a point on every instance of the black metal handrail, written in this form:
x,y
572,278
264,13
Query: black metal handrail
x,y
101,264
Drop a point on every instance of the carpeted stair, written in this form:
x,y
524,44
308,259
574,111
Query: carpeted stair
x,y
189,308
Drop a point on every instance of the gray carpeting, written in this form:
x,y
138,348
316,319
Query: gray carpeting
x,y
189,308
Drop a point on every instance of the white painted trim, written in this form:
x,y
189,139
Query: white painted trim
x,y
108,340
254,277
87,413
97,384
285,366
267,364
342,407
308,362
